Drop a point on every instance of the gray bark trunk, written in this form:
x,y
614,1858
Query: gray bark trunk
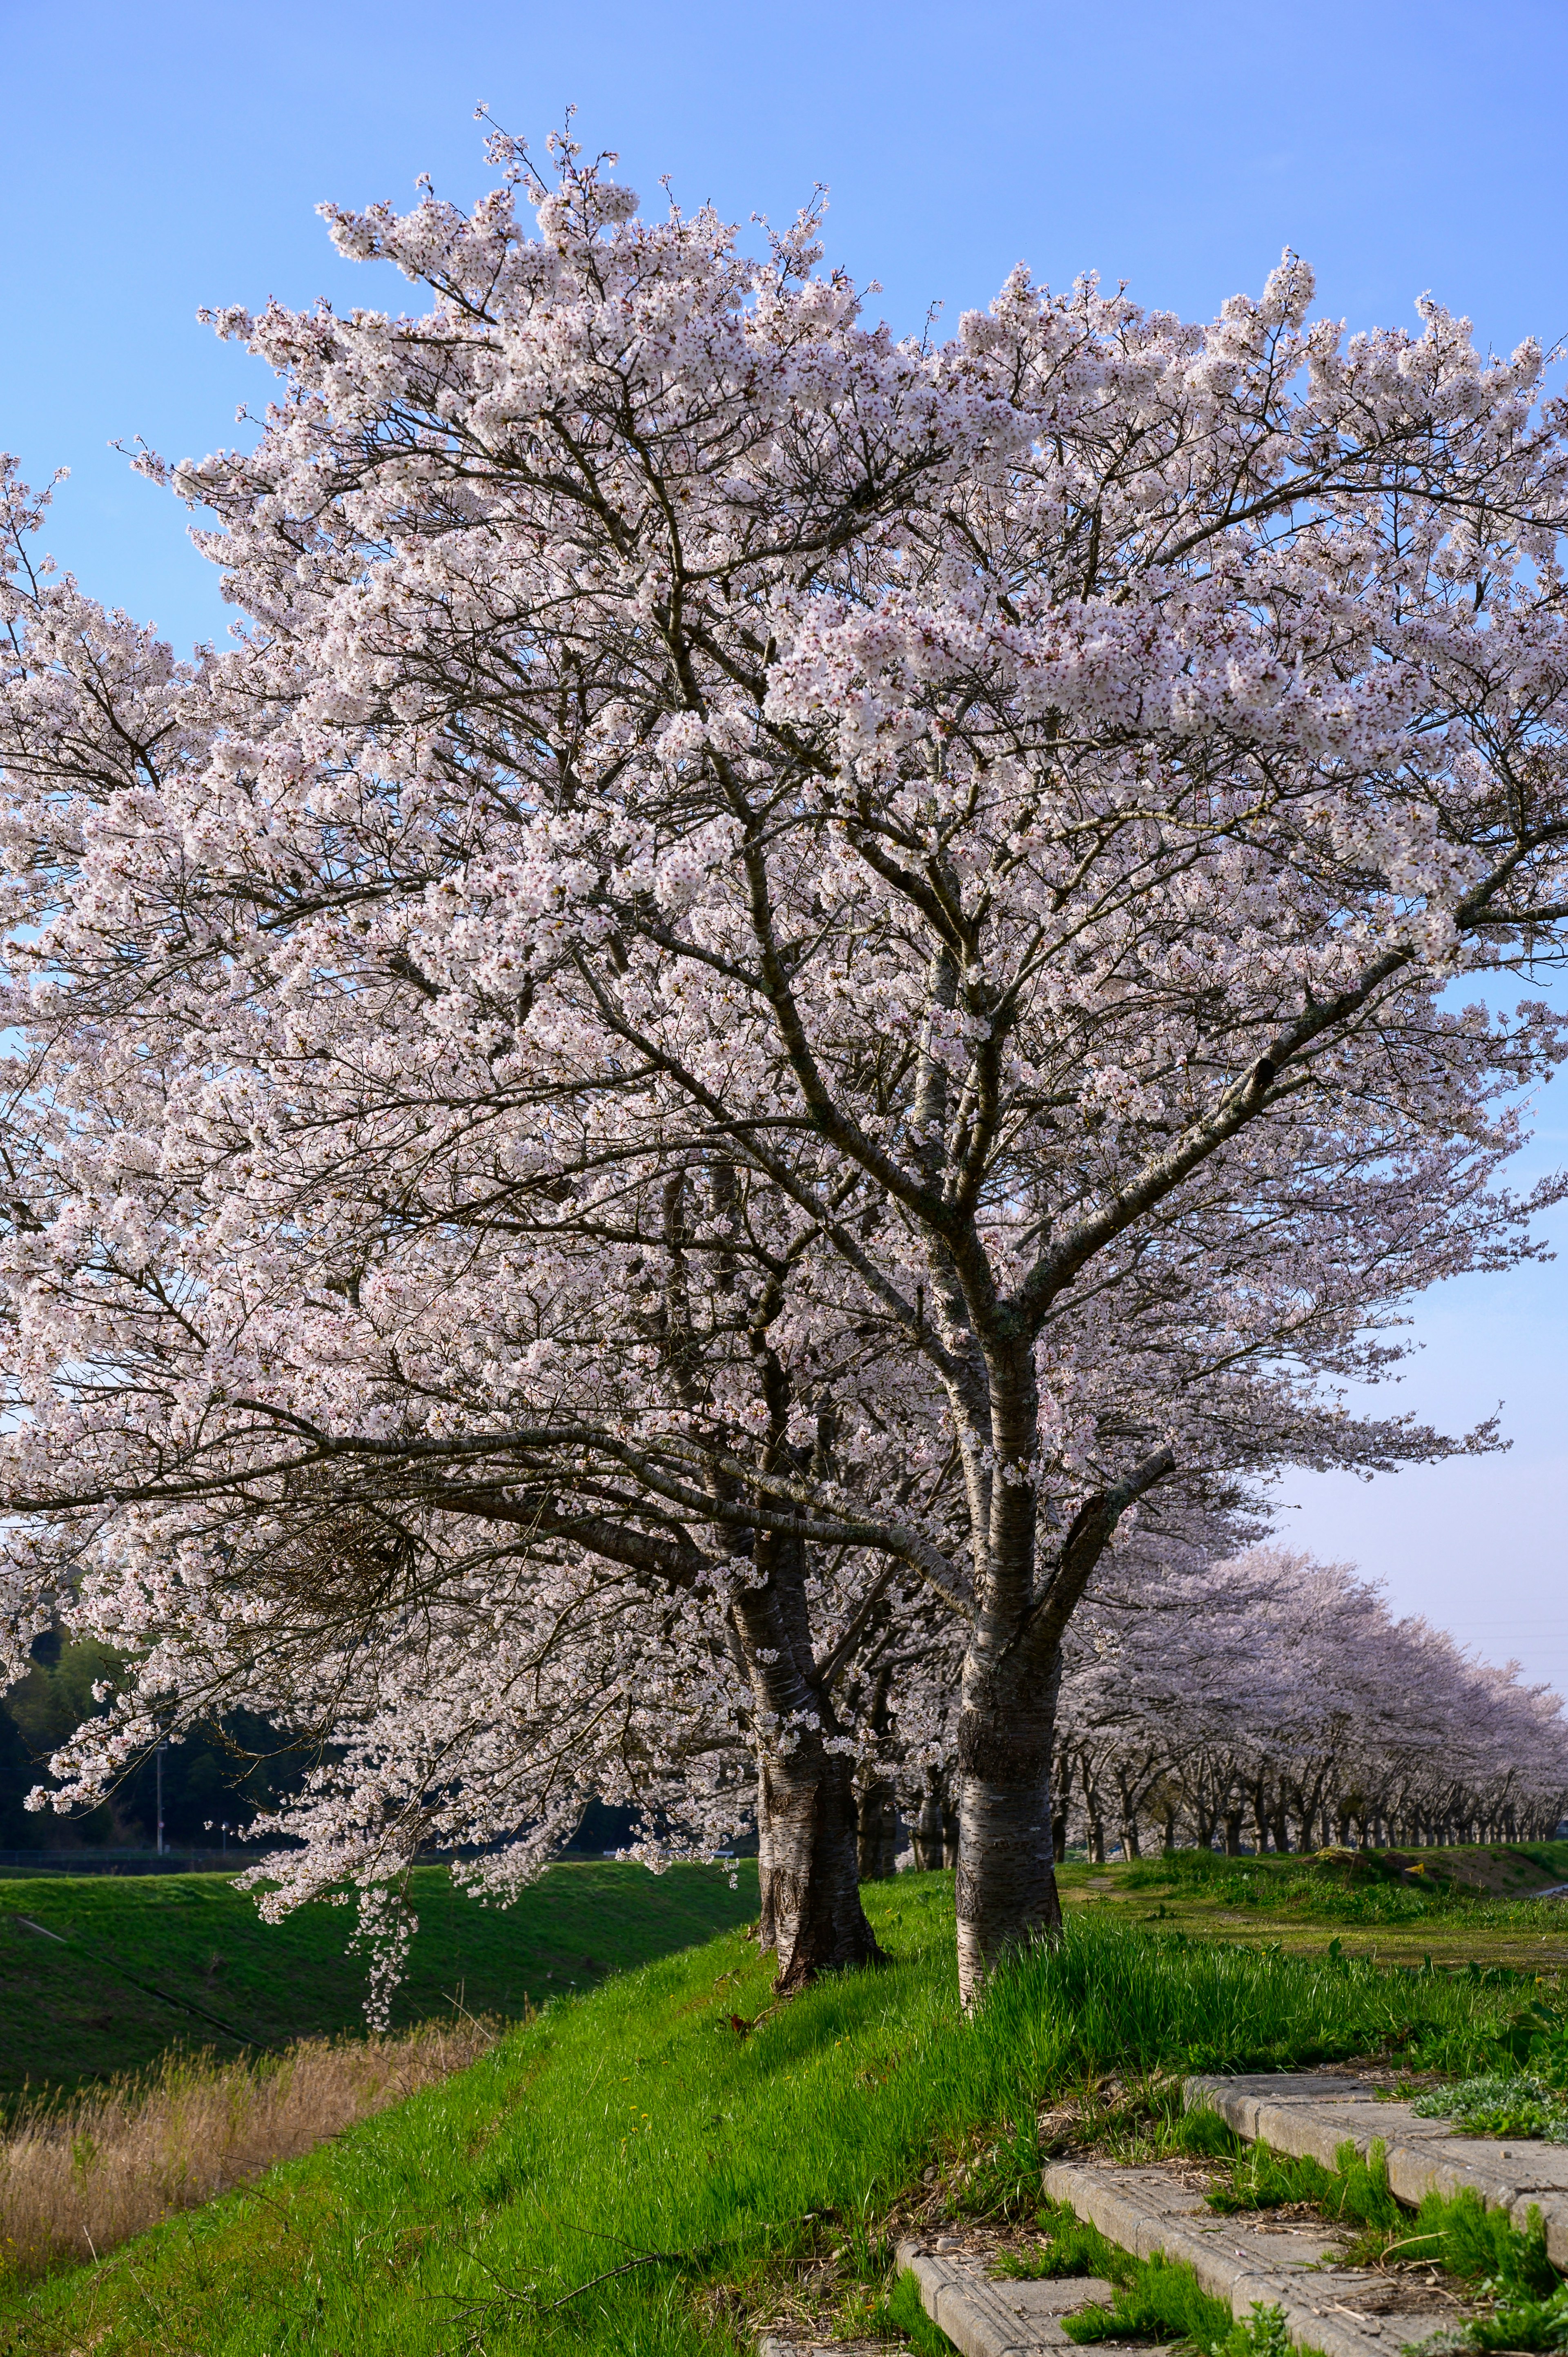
x,y
767,1926
814,1881
808,1823
878,1844
927,1830
1006,1884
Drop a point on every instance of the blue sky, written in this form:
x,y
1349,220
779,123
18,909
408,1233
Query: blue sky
x,y
166,156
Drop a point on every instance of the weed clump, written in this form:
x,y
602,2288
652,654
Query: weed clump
x,y
904,2313
1500,2102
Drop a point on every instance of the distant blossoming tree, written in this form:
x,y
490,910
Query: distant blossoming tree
x,y
786,974
1272,1702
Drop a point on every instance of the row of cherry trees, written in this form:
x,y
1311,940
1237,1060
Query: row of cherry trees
x,y
1281,1705
791,992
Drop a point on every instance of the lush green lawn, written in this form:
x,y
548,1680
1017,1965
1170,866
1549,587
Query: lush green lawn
x,y
675,2111
79,2007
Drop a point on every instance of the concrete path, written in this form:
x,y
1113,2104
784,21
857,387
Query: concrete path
x,y
1252,2259
771,2345
1297,2267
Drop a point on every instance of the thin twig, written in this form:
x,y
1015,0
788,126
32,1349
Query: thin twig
x,y
649,2259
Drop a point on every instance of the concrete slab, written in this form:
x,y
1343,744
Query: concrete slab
x,y
1342,2311
1311,2115
985,2315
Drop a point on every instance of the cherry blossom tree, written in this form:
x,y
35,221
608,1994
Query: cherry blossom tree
x,y
785,974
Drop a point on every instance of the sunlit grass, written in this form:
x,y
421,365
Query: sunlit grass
x,y
641,2123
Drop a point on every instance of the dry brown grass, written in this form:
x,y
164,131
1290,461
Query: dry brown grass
x,y
80,2176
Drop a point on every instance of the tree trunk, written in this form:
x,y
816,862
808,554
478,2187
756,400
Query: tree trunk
x,y
1233,1833
927,1830
812,1898
1261,1817
949,1831
767,1925
1006,1884
1094,1818
877,1840
808,1823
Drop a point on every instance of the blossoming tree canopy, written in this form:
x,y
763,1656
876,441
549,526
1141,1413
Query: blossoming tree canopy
x,y
785,972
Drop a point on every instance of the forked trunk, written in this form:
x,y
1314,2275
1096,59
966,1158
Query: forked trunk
x,y
811,1883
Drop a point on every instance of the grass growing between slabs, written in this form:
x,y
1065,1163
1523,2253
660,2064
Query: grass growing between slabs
x,y
1476,2246
1156,2298
639,2170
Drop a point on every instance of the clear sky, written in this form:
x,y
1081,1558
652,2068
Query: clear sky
x,y
165,156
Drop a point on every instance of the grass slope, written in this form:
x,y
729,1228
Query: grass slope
x,y
1457,1906
675,2111
71,2009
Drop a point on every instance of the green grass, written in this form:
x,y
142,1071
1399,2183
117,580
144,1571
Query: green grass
x,y
84,2010
1486,1888
1477,2246
638,2128
79,2007
1457,1905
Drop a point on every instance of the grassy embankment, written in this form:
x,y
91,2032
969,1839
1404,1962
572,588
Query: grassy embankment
x,y
697,2150
1457,1906
80,2005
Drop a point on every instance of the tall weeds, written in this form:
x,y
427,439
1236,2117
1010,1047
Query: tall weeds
x,y
80,2175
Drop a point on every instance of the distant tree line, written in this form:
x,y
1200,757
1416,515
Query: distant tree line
x,y
216,1776
1275,1703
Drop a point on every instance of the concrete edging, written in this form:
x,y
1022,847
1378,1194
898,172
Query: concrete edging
x,y
1311,2117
